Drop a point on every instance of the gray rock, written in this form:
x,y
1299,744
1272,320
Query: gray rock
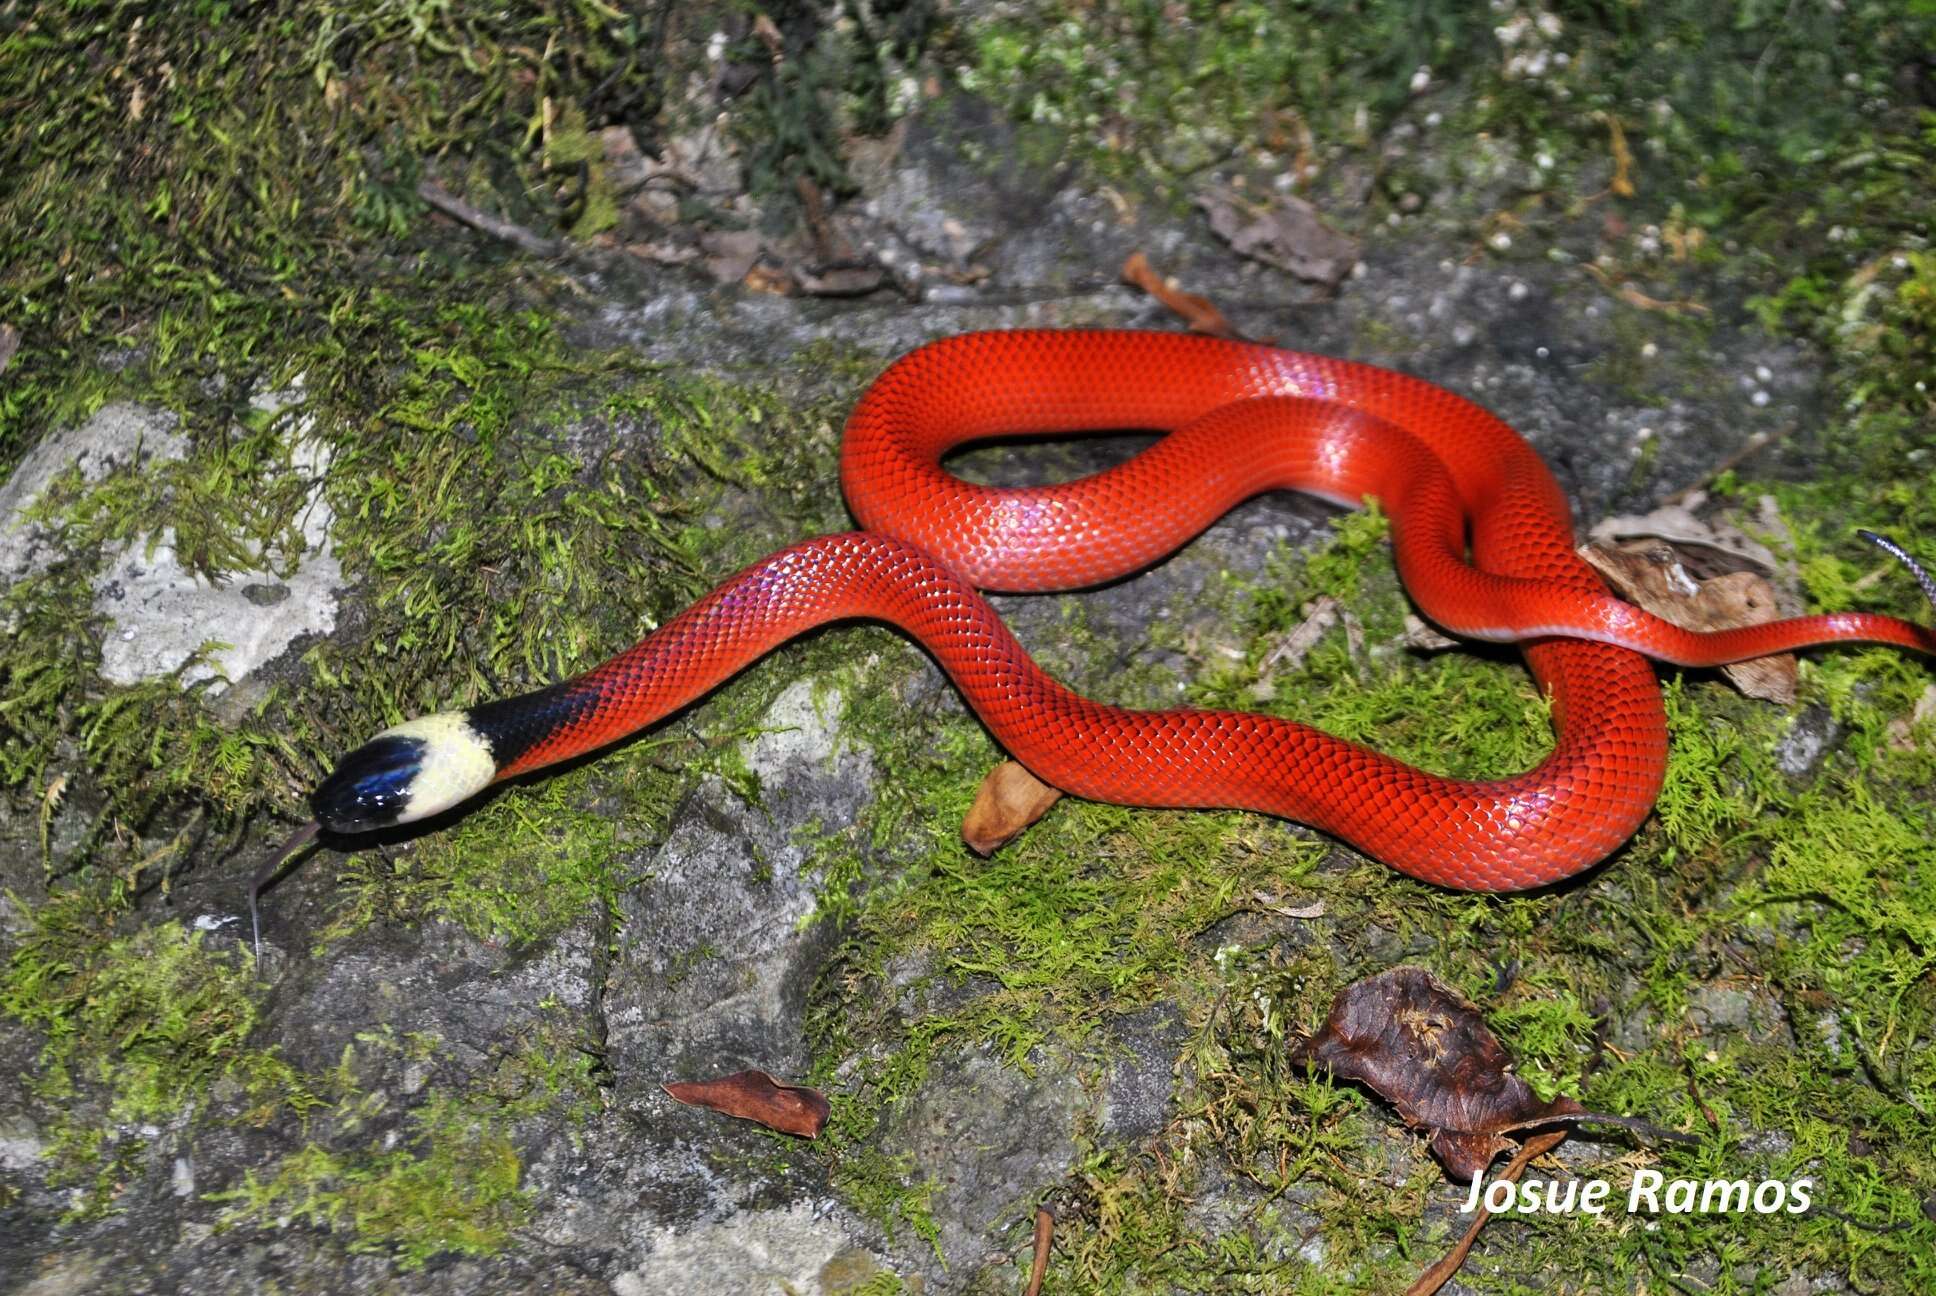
x,y
1138,1094
1811,736
798,1250
989,1139
713,965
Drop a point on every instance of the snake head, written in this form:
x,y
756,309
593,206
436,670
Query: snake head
x,y
410,772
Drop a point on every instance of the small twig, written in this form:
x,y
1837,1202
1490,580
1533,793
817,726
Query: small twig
x,y
497,227
1885,1084
1853,1222
1044,1231
1439,1274
1694,1092
1749,448
1646,1129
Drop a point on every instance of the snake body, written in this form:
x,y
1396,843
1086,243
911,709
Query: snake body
x,y
1480,530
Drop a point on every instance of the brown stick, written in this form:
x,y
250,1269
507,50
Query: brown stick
x,y
498,228
1044,1230
1439,1274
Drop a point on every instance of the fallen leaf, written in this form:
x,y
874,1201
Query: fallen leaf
x,y
757,1096
1275,904
1424,1049
1009,800
9,343
1654,575
1285,232
1198,312
1420,637
848,280
1680,525
1429,1053
730,254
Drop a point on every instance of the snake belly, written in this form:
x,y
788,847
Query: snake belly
x,y
1481,533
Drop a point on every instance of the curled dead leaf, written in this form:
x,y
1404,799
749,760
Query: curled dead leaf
x,y
1199,313
1717,543
1285,232
1009,800
757,1096
731,254
1424,1049
1421,1047
1655,575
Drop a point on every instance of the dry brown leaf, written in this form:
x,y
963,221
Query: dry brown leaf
x,y
1285,232
1198,312
9,343
1679,524
1654,575
846,280
730,254
1424,1049
1009,800
757,1096
1429,1053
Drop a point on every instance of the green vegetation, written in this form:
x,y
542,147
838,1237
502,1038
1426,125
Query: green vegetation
x,y
136,1033
449,1185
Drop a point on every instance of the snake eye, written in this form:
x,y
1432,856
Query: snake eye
x,y
370,787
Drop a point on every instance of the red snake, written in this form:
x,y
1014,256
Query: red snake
x,y
1480,530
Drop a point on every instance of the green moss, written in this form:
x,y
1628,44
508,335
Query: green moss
x,y
450,1187
449,1184
152,1021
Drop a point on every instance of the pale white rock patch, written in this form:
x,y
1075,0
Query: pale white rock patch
x,y
119,435
797,1251
160,614
795,731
